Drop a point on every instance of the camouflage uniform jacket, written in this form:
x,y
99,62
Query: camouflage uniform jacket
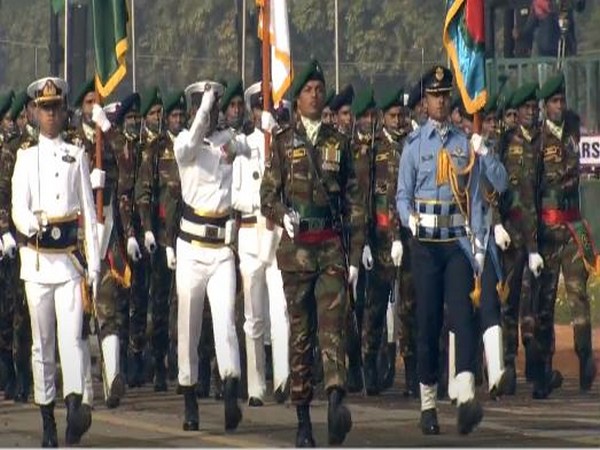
x,y
158,189
8,158
518,207
289,181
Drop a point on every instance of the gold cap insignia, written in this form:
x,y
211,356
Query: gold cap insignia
x,y
439,74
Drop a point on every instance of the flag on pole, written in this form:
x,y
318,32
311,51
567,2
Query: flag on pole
x,y
110,43
464,41
279,39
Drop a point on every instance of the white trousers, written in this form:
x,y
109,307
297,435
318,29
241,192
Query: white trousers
x,y
88,381
205,271
56,312
264,306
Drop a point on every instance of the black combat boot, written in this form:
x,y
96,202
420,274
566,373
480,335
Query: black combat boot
x,y
339,419
429,422
191,420
24,377
304,436
49,437
411,380
76,419
583,348
160,374
135,370
173,370
116,392
371,378
281,393
233,413
530,362
510,373
545,379
389,373
10,378
469,415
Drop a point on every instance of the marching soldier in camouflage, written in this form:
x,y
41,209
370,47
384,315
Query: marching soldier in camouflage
x,y
341,106
114,282
564,239
15,334
309,187
157,193
517,234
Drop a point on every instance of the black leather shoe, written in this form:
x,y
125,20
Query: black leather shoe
x,y
339,419
304,436
233,413
49,436
190,421
117,390
500,388
77,423
469,416
429,422
281,393
255,402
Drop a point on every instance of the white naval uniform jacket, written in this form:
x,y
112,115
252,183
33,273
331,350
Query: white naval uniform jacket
x,y
58,184
204,170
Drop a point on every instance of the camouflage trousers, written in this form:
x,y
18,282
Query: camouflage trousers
x,y
380,285
317,304
162,287
407,307
137,310
15,328
518,303
110,295
559,250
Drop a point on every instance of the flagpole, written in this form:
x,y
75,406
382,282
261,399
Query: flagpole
x,y
244,42
66,41
337,49
133,68
266,77
98,165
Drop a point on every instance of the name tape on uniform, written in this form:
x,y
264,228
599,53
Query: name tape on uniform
x,y
589,150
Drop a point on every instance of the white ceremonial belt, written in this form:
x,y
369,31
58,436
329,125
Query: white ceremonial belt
x,y
202,231
441,221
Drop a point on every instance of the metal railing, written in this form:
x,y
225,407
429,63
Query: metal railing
x,y
582,74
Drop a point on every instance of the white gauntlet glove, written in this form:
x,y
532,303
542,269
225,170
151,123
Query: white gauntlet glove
x,y
100,119
479,261
396,253
501,237
97,178
149,242
93,281
267,122
133,249
289,219
536,264
171,259
477,145
9,244
412,224
353,278
367,258
208,100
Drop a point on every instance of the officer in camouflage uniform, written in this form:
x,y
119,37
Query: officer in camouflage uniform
x,y
114,281
15,331
517,234
157,191
308,186
383,253
564,239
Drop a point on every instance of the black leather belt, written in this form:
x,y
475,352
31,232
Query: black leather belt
x,y
57,236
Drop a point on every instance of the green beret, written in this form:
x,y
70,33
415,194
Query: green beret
x,y
235,88
552,86
312,71
491,105
523,94
150,98
83,90
391,98
175,100
5,102
344,98
18,104
330,95
363,102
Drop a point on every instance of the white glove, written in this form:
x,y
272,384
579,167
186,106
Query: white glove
x,y
536,264
1,251
93,281
353,278
97,178
479,261
396,253
412,224
208,100
501,237
171,260
288,222
477,145
9,245
367,258
42,220
133,249
149,242
267,121
99,118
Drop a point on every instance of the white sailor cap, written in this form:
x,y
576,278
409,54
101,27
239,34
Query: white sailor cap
x,y
112,108
48,90
248,93
199,87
